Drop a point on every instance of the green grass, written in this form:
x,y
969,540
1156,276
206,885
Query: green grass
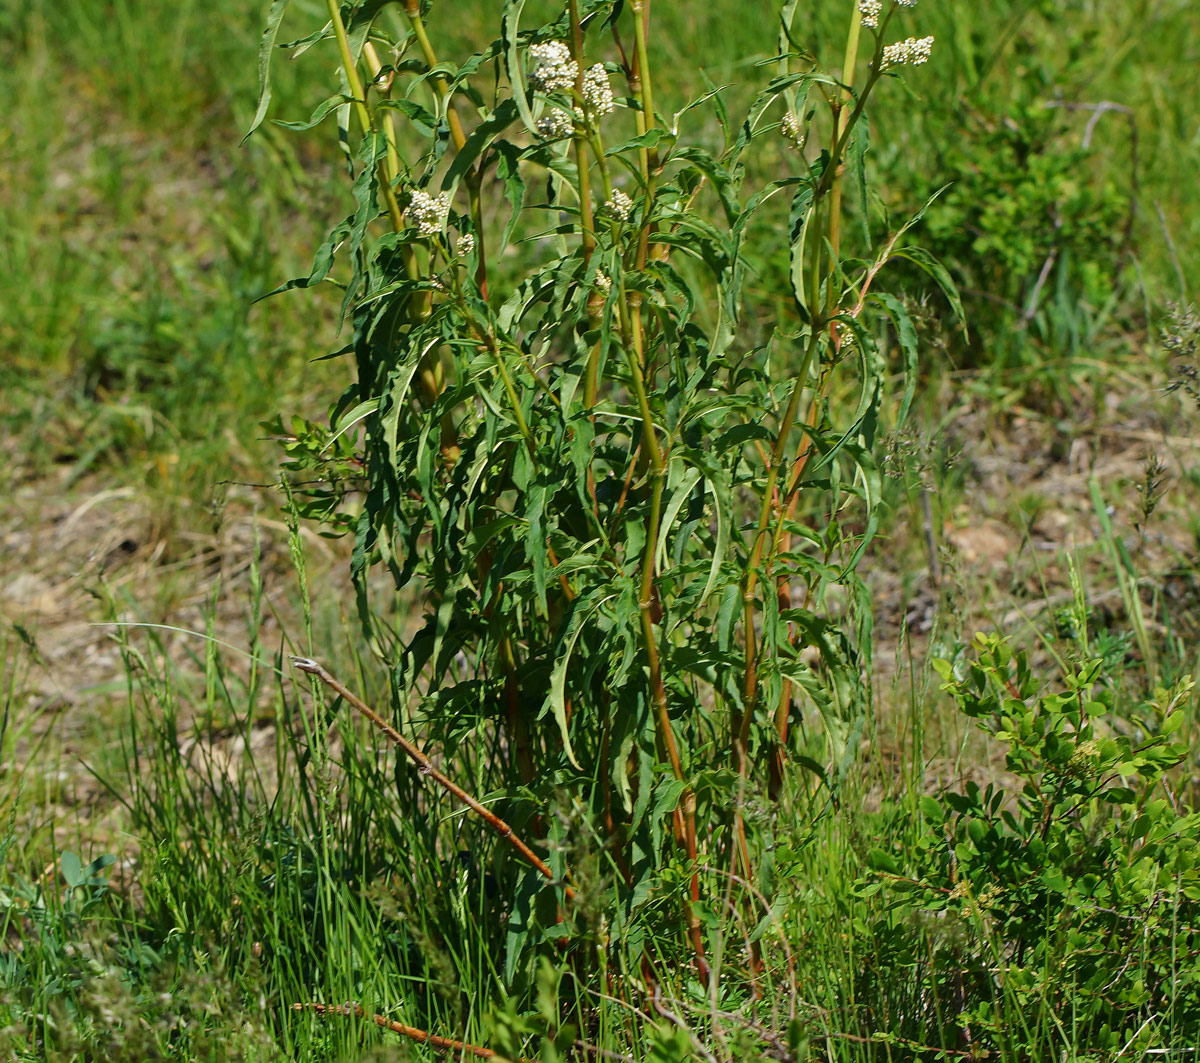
x,y
140,234
264,840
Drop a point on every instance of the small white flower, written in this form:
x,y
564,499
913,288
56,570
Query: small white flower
x,y
790,129
869,9
429,212
597,92
620,206
912,52
603,281
466,243
554,68
555,124
907,3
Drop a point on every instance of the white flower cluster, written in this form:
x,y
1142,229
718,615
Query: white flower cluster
x,y
603,282
597,92
912,52
869,9
555,124
790,128
429,212
907,3
620,206
466,243
554,69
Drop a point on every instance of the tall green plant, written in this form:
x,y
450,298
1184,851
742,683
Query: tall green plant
x,y
628,503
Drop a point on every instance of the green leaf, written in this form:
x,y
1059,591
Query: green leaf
x,y
72,870
319,115
556,700
879,860
666,798
860,141
510,37
509,171
647,139
932,810
424,119
906,336
360,412
919,256
775,88
799,219
91,873
681,480
739,435
266,47
481,136
360,24
722,506
520,921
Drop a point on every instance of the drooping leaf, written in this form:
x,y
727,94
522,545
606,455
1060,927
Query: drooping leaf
x,y
266,48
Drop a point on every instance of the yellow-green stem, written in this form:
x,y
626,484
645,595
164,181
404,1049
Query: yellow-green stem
x,y
390,166
647,157
580,144
587,219
375,67
511,391
849,62
412,8
646,597
348,65
364,116
686,810
481,282
750,681
641,16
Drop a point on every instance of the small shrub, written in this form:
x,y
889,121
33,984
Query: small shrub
x,y
1068,899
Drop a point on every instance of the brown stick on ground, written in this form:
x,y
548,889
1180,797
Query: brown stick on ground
x,y
425,767
431,1039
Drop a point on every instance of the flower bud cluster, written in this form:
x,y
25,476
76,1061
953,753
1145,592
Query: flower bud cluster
x,y
869,9
912,52
466,243
603,282
620,206
597,92
555,124
429,212
554,69
790,129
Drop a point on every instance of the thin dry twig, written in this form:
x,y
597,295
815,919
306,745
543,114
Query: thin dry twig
x,y
424,1037
425,767
603,1053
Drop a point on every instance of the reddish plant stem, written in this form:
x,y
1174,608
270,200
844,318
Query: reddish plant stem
x,y
425,767
783,543
447,1044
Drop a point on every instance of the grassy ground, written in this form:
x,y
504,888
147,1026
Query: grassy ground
x,y
135,373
